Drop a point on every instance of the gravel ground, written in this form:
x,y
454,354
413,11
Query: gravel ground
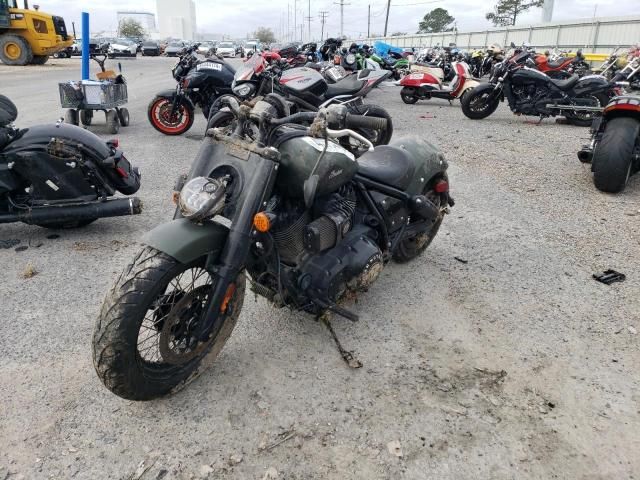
x,y
512,363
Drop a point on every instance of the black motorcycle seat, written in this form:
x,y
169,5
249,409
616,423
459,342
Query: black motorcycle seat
x,y
566,84
345,86
558,62
389,165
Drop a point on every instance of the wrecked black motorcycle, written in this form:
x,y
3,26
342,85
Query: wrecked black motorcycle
x,y
61,176
292,213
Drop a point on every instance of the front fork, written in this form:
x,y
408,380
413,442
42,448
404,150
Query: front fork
x,y
176,101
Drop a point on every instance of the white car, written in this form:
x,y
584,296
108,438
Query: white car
x,y
226,49
122,47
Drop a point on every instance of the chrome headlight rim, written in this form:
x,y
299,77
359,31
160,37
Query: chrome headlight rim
x,y
350,59
243,90
201,198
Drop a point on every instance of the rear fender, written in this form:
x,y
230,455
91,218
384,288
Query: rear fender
x,y
623,106
186,241
430,162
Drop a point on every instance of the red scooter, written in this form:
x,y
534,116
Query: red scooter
x,y
425,82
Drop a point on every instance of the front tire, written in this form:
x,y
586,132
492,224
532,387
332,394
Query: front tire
x,y
477,105
159,114
149,300
613,156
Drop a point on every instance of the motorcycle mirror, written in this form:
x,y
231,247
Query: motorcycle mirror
x,y
513,45
309,189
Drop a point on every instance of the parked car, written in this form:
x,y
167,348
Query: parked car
x,y
94,45
205,47
122,47
150,49
227,49
174,49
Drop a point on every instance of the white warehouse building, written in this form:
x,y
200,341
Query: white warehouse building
x,y
177,19
146,19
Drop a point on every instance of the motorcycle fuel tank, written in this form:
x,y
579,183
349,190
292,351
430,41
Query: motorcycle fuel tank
x,y
211,72
299,155
526,75
303,80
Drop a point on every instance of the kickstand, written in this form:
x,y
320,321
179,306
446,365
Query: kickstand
x,y
346,355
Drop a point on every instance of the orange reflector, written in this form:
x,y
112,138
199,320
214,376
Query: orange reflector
x,y
231,289
262,222
175,196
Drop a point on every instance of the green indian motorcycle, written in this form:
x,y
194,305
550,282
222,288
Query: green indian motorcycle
x,y
292,214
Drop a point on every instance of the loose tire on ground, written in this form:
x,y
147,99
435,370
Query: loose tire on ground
x,y
123,116
613,156
146,284
113,123
15,50
71,117
86,116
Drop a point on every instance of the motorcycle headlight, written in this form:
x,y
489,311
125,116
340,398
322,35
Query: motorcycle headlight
x,y
351,58
201,198
243,90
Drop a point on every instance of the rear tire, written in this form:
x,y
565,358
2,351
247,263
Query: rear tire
x,y
613,156
123,116
15,50
376,137
476,104
148,294
408,95
586,119
412,246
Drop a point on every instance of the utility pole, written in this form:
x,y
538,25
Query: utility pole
x,y
342,4
309,20
386,20
301,31
288,15
369,22
323,19
295,18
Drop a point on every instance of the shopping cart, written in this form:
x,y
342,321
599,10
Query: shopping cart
x,y
108,94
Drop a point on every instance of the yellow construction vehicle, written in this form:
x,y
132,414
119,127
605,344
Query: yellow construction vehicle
x,y
29,35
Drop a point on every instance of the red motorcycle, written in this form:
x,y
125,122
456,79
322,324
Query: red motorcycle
x,y
562,68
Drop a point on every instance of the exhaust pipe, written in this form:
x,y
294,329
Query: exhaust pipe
x,y
88,211
585,156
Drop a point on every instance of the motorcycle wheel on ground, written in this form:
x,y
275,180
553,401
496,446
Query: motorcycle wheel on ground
x,y
161,118
585,119
166,311
612,162
408,95
478,104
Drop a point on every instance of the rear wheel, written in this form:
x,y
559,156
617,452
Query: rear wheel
x,y
585,119
412,245
39,59
161,117
408,95
15,50
123,116
377,137
613,156
144,343
477,105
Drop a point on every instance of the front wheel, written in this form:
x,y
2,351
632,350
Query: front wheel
x,y
165,120
479,104
144,343
613,156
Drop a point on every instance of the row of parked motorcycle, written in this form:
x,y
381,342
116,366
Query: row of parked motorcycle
x,y
297,192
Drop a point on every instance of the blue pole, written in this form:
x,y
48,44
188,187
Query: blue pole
x,y
85,46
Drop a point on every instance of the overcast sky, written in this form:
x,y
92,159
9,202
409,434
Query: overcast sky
x,y
239,17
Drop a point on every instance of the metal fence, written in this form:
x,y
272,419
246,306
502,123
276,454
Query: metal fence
x,y
597,35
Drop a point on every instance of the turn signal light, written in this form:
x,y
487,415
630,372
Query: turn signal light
x,y
262,222
441,187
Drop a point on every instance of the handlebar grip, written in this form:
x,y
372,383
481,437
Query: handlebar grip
x,y
360,121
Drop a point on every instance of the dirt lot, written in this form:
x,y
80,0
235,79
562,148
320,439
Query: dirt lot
x,y
495,355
